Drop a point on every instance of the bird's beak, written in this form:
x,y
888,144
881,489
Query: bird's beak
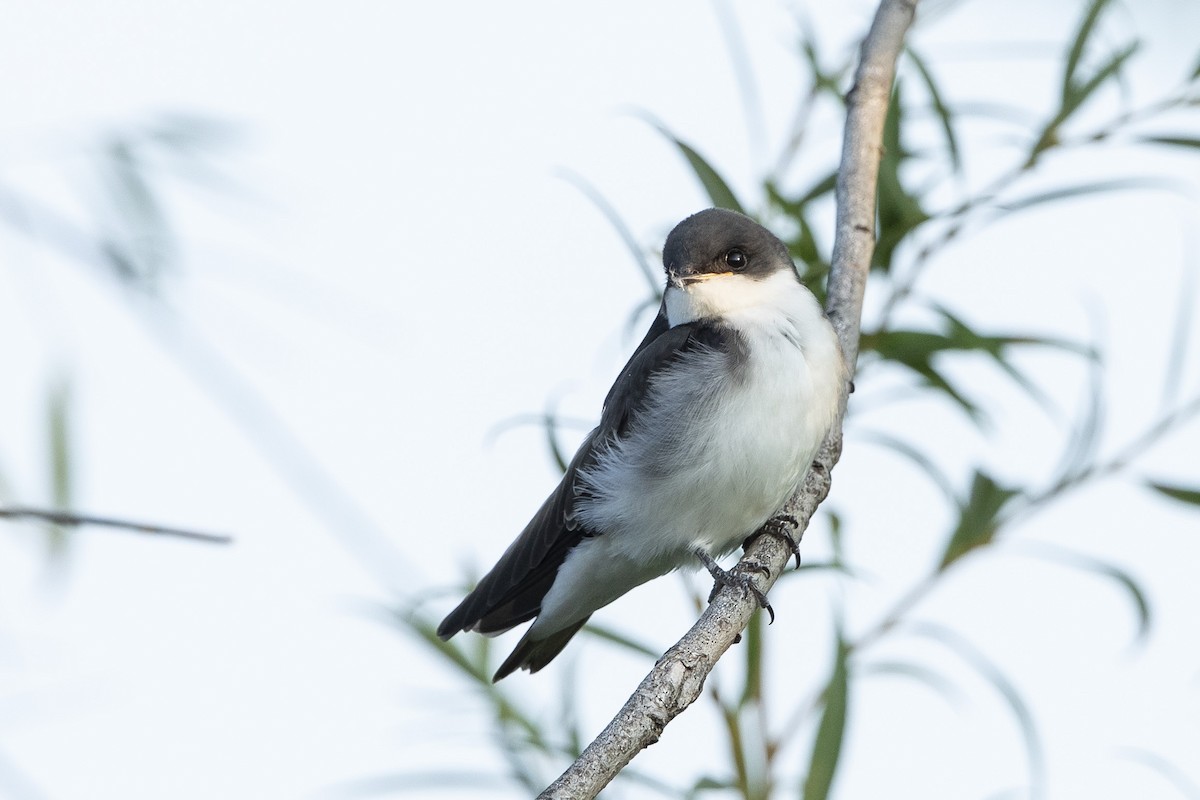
x,y
683,281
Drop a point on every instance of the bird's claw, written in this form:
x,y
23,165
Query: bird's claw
x,y
723,577
779,526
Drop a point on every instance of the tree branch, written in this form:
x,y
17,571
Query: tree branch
x,y
67,518
678,677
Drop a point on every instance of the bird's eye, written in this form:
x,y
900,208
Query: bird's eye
x,y
736,259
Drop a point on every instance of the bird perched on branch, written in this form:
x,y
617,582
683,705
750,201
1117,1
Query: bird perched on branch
x,y
707,432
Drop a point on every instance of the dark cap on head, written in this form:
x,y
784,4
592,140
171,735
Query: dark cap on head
x,y
704,242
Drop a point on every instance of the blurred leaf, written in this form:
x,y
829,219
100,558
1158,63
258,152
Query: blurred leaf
x,y
978,519
478,670
945,115
718,190
827,748
620,640
1180,493
58,429
900,212
139,244
823,80
752,647
1169,771
918,457
1087,25
915,350
550,425
651,274
935,680
1095,566
1177,354
1082,190
997,347
710,784
1084,439
1003,686
1078,94
1175,141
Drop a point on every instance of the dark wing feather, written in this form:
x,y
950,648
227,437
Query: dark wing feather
x,y
512,592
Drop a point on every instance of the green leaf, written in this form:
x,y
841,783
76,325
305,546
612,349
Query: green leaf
x,y
718,190
1078,94
945,114
1174,141
1078,44
979,519
900,212
613,637
752,648
831,732
1181,493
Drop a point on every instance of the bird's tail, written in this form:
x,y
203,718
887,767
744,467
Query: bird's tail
x,y
533,654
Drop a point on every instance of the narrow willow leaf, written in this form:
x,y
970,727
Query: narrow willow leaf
x,y
931,678
944,113
1082,190
620,640
550,425
1175,141
831,732
1079,94
1085,563
752,646
979,519
1087,26
718,190
58,430
1170,771
1181,336
899,211
649,271
988,670
1181,493
920,459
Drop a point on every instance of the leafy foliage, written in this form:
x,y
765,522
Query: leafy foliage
x,y
913,231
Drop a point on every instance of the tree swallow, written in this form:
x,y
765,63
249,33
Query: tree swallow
x,y
707,432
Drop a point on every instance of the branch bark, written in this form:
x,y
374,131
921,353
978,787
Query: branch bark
x,y
678,677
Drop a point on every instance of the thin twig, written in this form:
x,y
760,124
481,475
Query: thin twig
x,y
68,518
678,677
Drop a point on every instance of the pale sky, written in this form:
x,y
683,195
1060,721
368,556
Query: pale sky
x,y
393,263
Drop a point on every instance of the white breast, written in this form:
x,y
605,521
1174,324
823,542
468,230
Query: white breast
x,y
717,450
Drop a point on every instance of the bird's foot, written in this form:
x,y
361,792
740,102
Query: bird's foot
x,y
723,577
780,527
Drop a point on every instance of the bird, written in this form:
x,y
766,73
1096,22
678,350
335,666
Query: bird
x,y
706,433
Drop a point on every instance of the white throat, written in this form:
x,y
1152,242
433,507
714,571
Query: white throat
x,y
723,295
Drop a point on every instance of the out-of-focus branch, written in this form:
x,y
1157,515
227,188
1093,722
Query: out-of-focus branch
x,y
67,518
678,677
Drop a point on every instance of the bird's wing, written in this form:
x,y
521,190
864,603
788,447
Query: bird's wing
x,y
512,592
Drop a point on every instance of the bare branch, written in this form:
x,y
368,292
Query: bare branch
x,y
67,518
678,677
